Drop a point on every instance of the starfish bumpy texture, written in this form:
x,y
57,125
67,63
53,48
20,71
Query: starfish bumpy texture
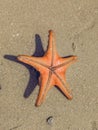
x,y
52,69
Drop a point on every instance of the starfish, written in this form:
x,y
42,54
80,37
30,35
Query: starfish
x,y
52,70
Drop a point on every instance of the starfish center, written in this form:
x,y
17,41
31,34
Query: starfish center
x,y
52,68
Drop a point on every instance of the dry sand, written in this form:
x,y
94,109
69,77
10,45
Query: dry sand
x,y
76,28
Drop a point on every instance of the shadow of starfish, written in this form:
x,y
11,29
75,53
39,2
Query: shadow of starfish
x,y
34,74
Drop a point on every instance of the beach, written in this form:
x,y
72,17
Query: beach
x,y
24,29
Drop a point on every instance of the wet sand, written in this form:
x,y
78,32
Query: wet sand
x,y
24,29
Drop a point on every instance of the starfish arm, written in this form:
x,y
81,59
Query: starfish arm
x,y
62,85
45,83
65,62
37,62
65,91
51,52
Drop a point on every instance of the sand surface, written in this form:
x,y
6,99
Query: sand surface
x,y
24,26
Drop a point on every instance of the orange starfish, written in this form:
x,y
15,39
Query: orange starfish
x,y
52,69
